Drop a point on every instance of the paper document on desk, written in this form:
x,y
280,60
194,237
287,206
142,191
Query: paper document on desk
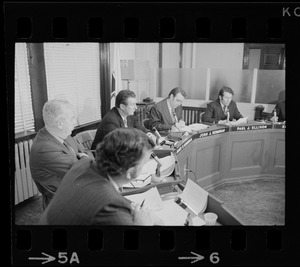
x,y
198,126
145,176
172,214
194,197
168,165
168,211
152,199
239,121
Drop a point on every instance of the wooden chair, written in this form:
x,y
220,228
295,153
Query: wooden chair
x,y
86,138
146,123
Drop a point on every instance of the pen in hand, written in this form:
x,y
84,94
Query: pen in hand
x,y
142,203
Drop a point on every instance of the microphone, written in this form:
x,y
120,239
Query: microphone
x,y
158,136
159,164
156,132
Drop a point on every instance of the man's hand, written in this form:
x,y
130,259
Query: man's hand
x,y
80,155
145,216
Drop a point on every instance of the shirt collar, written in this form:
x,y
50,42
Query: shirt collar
x,y
121,114
61,140
169,106
115,185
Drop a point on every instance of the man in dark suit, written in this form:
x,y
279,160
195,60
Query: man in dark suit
x,y
89,193
280,112
222,109
167,114
54,151
120,116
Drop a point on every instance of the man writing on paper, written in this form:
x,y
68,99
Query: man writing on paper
x,y
167,114
222,110
89,193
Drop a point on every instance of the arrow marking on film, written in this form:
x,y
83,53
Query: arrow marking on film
x,y
197,258
46,259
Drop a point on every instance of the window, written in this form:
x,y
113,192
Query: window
x,y
72,71
24,119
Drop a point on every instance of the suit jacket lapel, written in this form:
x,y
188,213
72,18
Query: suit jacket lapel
x,y
167,113
53,139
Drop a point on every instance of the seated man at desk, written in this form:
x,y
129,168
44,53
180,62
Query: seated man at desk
x,y
280,112
54,151
167,114
223,109
89,193
120,116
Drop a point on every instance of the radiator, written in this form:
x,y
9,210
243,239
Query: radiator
x,y
24,185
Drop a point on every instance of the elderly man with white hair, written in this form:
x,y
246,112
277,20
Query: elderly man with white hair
x,y
54,151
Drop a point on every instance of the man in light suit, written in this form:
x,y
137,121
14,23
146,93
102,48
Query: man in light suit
x,y
89,193
167,114
224,107
54,151
120,116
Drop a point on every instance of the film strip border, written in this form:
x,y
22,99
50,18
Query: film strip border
x,y
156,22
161,22
150,245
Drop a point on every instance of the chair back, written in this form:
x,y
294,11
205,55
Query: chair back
x,y
47,194
86,138
146,123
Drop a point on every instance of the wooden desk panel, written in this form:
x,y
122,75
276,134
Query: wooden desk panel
x,y
208,159
246,154
277,153
234,155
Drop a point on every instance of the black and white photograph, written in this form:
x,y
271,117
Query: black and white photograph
x,y
149,134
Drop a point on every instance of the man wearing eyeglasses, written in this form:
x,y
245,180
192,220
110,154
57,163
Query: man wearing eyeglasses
x,y
222,110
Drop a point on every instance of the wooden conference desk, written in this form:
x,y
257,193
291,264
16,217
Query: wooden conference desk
x,y
221,154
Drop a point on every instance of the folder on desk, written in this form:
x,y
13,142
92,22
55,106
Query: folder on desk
x,y
193,197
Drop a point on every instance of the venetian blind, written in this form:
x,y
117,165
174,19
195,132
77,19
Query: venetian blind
x,y
24,119
72,71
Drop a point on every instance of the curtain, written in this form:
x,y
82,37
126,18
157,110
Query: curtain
x,y
72,72
24,119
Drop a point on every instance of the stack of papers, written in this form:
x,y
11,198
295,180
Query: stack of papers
x,y
195,127
193,196
167,168
239,121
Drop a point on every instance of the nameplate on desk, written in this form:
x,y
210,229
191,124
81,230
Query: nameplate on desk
x,y
209,133
184,145
250,127
279,126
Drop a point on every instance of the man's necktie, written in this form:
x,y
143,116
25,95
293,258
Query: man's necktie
x,y
125,123
174,115
70,149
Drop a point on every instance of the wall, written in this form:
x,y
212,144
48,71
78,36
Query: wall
x,y
225,55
